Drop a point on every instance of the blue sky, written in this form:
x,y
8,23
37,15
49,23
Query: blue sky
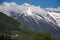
x,y
41,3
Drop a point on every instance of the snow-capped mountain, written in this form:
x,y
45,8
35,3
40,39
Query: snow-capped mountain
x,y
33,17
56,16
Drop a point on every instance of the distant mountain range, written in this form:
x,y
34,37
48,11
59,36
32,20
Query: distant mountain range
x,y
35,18
47,22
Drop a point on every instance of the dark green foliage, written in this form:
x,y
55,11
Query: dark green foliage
x,y
10,29
33,36
5,37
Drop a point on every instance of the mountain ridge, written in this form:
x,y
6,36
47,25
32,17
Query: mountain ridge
x,y
10,29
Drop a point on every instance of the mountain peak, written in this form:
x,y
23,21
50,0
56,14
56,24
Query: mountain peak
x,y
27,12
26,4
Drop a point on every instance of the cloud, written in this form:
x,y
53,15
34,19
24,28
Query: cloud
x,y
54,9
13,7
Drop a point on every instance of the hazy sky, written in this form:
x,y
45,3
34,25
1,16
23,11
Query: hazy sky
x,y
41,3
